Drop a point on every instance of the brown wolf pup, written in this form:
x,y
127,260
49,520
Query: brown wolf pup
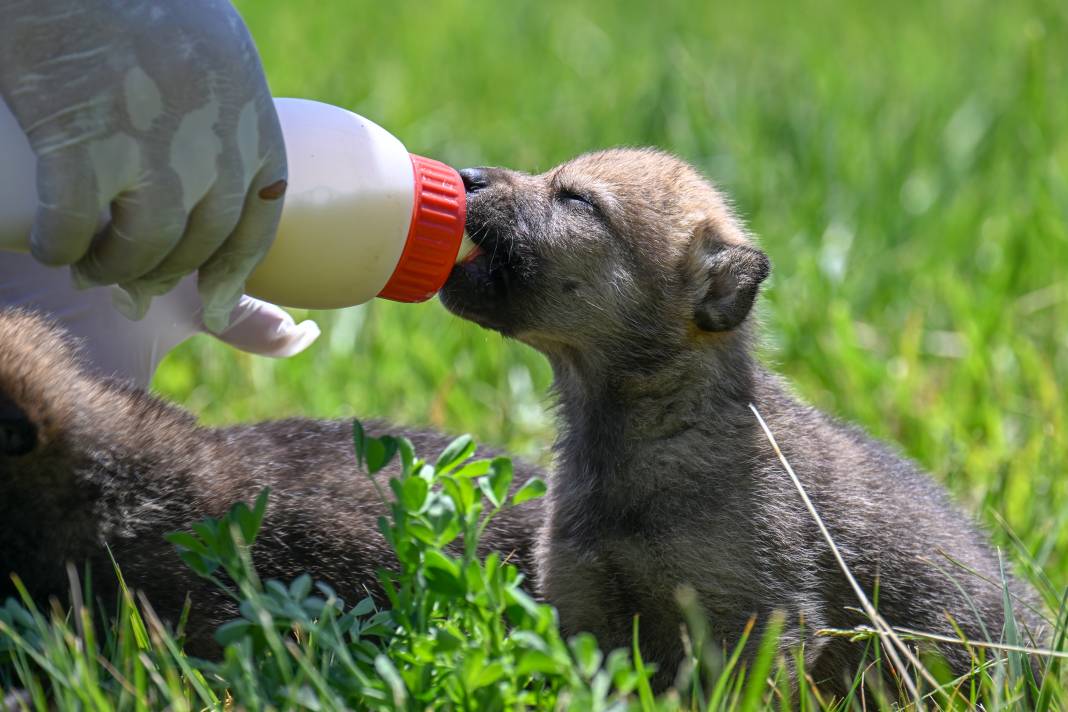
x,y
631,274
86,462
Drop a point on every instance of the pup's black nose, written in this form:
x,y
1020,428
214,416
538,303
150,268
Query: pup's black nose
x,y
474,179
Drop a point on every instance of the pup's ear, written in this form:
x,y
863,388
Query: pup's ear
x,y
728,277
18,435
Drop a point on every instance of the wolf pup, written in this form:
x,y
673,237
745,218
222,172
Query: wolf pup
x,y
86,462
630,273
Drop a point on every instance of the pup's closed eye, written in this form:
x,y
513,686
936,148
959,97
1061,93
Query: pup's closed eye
x,y
577,199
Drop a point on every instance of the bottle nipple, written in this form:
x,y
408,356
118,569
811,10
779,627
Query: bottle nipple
x,y
468,250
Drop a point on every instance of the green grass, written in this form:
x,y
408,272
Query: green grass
x,y
905,165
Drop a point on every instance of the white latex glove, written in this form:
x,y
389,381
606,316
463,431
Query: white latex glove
x,y
116,346
160,113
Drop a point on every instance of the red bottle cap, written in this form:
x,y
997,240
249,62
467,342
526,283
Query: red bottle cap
x,y
434,236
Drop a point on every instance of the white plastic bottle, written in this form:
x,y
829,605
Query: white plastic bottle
x,y
362,216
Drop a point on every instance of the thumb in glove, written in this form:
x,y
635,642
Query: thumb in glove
x,y
262,328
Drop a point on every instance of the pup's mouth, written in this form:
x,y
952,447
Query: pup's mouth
x,y
479,286
490,265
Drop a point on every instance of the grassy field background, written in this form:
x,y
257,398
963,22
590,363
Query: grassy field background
x,y
904,164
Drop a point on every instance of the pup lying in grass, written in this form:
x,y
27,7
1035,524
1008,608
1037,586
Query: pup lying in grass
x,y
630,273
86,462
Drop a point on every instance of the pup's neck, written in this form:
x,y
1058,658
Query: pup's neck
x,y
614,420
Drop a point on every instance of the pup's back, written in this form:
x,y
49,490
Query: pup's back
x,y
86,462
906,542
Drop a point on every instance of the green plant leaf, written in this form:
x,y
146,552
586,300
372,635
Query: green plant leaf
x,y
421,532
447,641
500,479
232,632
487,675
413,493
442,574
208,531
185,540
201,565
359,443
533,662
533,489
379,452
461,492
363,607
434,559
587,654
454,453
300,587
259,509
486,486
407,456
474,468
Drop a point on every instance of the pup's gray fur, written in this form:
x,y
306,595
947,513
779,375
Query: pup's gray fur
x,y
631,274
86,462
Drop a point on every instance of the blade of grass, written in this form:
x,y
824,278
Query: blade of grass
x,y
757,683
719,691
645,691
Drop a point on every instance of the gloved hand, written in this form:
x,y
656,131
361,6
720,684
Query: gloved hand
x,y
116,346
158,111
